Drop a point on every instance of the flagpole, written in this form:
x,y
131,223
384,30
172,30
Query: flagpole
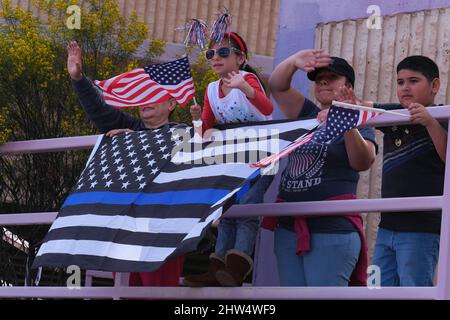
x,y
197,124
358,107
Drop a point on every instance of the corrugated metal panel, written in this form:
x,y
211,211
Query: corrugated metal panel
x,y
255,20
374,55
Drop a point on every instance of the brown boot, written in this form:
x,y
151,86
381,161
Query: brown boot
x,y
237,267
207,279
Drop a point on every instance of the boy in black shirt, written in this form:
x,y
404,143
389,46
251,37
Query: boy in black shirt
x,y
407,245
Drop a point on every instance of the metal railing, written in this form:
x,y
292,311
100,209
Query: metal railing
x,y
121,290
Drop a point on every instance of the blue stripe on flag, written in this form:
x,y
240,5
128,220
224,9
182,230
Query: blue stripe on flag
x,y
198,196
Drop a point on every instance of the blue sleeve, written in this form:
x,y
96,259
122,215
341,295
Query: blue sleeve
x,y
369,134
104,117
309,109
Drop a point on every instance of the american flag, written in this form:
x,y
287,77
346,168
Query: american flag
x,y
148,196
149,85
338,121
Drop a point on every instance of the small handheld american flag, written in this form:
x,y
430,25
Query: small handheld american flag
x,y
149,85
339,120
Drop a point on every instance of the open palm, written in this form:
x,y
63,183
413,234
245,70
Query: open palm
x,y
74,60
234,80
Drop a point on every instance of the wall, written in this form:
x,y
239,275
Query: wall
x,y
255,20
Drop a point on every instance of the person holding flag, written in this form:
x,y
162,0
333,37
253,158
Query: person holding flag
x,y
321,250
407,245
155,105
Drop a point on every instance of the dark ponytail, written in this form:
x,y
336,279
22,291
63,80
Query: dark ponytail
x,y
242,46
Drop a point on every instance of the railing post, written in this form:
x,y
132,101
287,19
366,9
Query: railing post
x,y
443,279
120,280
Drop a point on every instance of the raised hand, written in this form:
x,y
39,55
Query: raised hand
x,y
234,80
115,132
196,112
311,59
74,61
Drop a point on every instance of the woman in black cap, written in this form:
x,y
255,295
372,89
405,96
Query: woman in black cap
x,y
320,250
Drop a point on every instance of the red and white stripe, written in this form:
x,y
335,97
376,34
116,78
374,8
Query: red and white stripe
x,y
365,116
283,153
136,89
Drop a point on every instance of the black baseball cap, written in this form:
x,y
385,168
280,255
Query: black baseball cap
x,y
339,66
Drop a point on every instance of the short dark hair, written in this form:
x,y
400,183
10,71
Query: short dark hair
x,y
421,64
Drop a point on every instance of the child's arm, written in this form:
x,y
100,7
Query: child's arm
x,y
207,116
250,86
259,100
289,99
420,115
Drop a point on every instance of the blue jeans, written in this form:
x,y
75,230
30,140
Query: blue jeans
x,y
240,233
406,259
330,262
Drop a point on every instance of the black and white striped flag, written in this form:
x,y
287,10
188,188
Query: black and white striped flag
x,y
148,196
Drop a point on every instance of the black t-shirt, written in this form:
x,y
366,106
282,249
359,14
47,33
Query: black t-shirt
x,y
321,172
411,167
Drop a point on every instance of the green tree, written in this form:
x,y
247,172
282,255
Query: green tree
x,y
38,102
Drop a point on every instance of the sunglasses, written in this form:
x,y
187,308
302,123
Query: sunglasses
x,y
221,52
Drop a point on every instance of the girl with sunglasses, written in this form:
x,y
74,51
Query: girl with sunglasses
x,y
238,96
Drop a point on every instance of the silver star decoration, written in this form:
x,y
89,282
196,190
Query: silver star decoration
x,y
137,169
131,154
